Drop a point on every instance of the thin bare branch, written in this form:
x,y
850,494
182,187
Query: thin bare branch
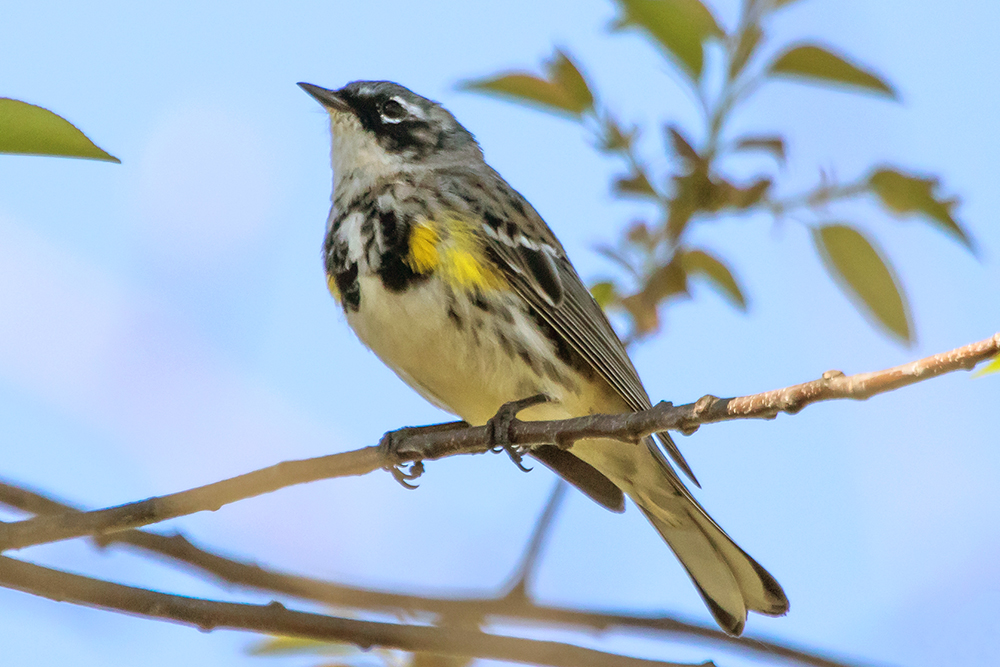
x,y
529,562
506,609
275,619
420,445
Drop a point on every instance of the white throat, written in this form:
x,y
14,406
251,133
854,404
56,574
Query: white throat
x,y
356,157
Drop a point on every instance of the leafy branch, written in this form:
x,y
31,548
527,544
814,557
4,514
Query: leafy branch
x,y
656,256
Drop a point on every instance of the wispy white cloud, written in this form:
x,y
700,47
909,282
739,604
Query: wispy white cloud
x,y
116,358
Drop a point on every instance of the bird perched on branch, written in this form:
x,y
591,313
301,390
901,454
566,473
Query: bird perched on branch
x,y
452,278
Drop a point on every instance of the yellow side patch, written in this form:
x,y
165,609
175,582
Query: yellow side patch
x,y
466,270
424,240
331,284
450,247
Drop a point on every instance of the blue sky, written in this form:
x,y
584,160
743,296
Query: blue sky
x,y
166,324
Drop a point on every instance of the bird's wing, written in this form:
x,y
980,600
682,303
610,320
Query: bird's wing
x,y
536,265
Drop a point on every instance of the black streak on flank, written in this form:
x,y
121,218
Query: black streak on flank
x,y
347,285
395,273
454,316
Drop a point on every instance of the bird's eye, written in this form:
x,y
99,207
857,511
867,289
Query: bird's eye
x,y
393,111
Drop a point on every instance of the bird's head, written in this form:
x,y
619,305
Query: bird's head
x,y
381,128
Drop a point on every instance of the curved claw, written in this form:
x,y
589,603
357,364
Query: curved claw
x,y
500,425
389,445
517,457
403,476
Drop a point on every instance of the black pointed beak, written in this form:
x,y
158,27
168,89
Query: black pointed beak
x,y
330,99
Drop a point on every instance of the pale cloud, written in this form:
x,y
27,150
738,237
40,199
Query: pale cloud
x,y
206,186
115,358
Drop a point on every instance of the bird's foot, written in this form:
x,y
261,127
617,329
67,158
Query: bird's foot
x,y
392,448
500,424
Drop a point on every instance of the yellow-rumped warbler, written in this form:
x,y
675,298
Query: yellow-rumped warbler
x,y
451,277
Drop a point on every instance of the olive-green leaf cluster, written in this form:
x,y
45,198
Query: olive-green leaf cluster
x,y
696,187
31,130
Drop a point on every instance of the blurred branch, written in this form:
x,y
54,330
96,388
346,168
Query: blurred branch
x,y
274,618
519,587
507,609
415,445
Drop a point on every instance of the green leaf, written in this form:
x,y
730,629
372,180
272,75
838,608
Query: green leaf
x,y
635,184
605,293
680,26
700,262
299,646
565,73
681,146
774,145
31,130
565,90
865,276
992,367
750,39
666,280
818,64
904,193
778,4
615,137
638,234
645,317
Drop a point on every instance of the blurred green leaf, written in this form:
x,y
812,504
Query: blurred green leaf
x,y
565,90
992,367
298,645
645,318
750,39
635,184
666,280
865,275
605,293
774,145
701,262
615,137
564,72
681,146
817,64
638,234
680,26
31,130
778,4
904,193
748,196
